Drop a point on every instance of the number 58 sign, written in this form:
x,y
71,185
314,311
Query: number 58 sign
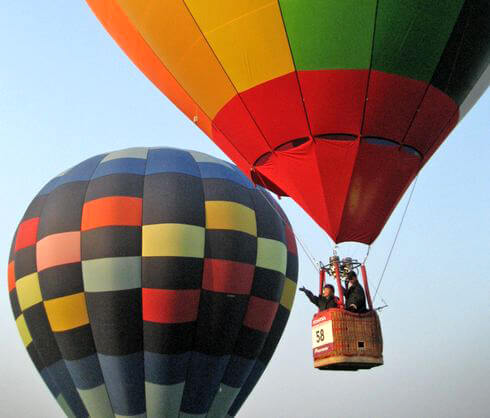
x,y
322,334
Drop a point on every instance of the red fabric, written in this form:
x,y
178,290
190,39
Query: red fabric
x,y
443,135
27,234
327,165
392,104
380,177
236,124
349,187
170,306
266,182
336,161
352,186
277,109
260,314
232,152
434,114
227,276
334,99
279,170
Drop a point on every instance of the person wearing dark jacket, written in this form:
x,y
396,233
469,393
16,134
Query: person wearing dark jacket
x,y
325,301
354,294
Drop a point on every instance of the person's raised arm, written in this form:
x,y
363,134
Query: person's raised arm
x,y
309,295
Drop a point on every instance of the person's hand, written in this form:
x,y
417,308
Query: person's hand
x,y
302,289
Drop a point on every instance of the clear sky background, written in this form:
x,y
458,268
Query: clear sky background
x,y
67,93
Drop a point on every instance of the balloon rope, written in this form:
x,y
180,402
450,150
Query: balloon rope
x,y
308,254
367,254
394,241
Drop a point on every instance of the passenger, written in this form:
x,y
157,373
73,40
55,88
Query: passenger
x,y
354,294
326,300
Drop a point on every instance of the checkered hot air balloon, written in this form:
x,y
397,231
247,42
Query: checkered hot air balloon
x,y
353,95
152,282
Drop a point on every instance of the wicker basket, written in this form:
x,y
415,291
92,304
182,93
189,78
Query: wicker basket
x,y
350,341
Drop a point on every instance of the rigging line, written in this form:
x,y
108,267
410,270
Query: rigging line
x,y
396,237
366,95
308,254
303,246
367,254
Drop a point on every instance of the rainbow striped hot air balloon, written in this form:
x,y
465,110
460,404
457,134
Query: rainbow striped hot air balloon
x,y
353,95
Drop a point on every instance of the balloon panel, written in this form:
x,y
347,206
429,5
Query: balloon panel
x,y
259,75
152,280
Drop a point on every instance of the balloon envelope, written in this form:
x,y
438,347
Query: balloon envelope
x,y
152,280
354,96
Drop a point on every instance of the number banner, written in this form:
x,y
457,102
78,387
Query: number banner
x,y
321,336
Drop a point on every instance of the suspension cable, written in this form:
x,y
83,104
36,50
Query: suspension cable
x,y
310,256
394,241
367,254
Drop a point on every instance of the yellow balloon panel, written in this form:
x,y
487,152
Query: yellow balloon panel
x,y
248,37
230,216
172,33
67,312
25,335
28,291
288,293
173,240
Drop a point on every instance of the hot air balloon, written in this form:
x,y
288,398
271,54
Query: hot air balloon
x,y
152,282
354,96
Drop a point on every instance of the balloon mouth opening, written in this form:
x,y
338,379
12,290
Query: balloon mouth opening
x,y
374,140
385,142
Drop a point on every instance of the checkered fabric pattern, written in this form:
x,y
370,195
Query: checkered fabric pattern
x,y
152,282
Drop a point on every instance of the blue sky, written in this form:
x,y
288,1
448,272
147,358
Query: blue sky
x,y
67,93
